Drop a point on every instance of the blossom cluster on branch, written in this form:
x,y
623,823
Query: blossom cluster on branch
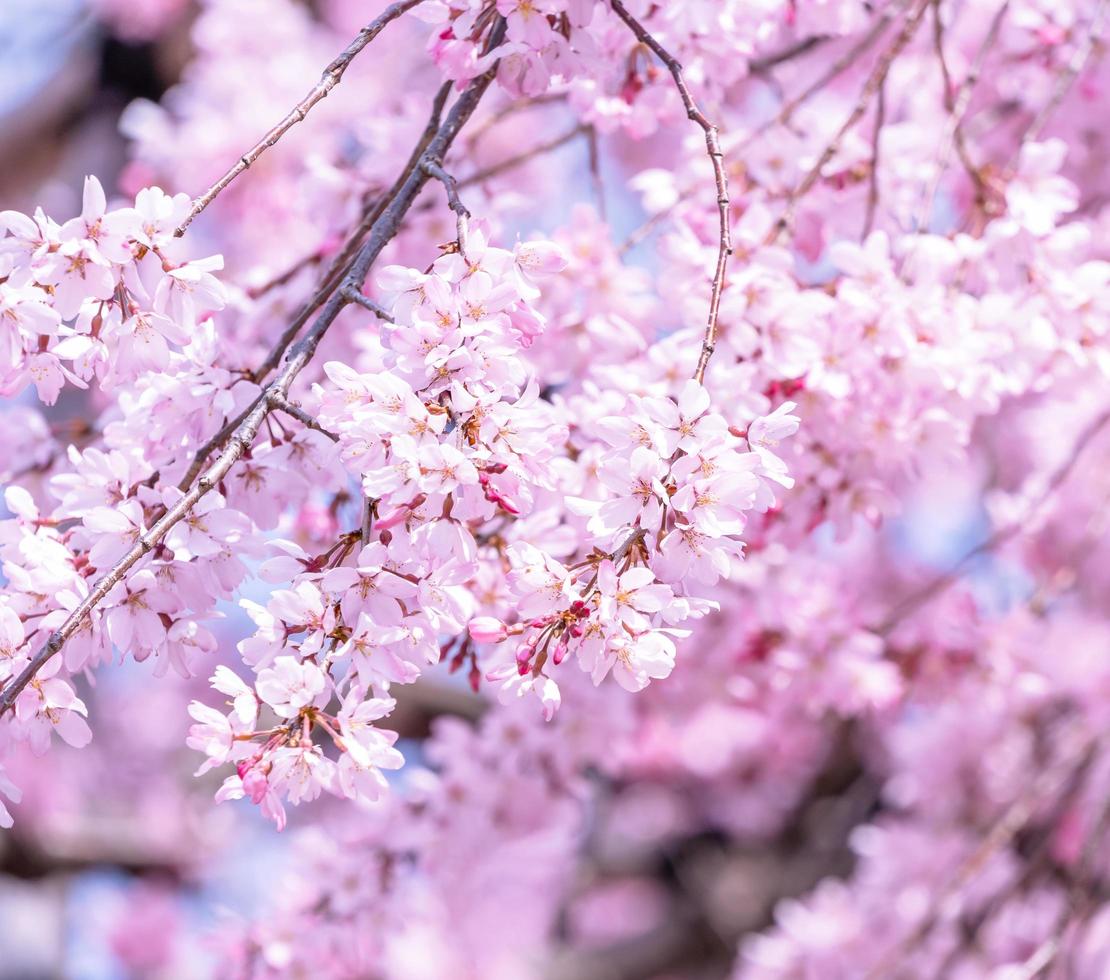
x,y
671,508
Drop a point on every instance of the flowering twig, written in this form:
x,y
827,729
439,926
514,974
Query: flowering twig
x,y
328,80
716,158
384,229
331,279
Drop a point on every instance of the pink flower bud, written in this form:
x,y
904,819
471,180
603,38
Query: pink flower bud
x,y
254,784
487,629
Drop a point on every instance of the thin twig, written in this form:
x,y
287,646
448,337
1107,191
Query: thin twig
x,y
367,520
517,159
434,169
276,392
594,161
843,63
957,106
764,63
359,297
870,89
286,406
328,80
941,582
873,177
716,158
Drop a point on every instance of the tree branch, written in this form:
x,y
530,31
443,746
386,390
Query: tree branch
x,y
870,88
434,169
339,266
957,106
286,406
716,158
328,80
275,394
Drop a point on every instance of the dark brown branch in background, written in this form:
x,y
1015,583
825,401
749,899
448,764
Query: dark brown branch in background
x,y
757,66
276,393
837,68
331,77
594,162
716,158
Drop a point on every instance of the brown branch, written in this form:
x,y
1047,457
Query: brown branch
x,y
359,297
275,394
716,158
332,277
957,106
763,64
328,80
870,89
289,408
434,169
594,163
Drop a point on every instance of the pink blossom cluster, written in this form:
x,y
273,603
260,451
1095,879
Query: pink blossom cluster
x,y
864,550
98,293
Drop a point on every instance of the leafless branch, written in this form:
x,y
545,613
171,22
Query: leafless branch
x,y
763,64
716,158
837,68
873,177
359,297
517,159
286,406
434,169
957,106
330,78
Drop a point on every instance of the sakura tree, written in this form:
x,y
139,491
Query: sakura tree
x,y
622,486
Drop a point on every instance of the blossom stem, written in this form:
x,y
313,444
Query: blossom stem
x,y
716,158
331,77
